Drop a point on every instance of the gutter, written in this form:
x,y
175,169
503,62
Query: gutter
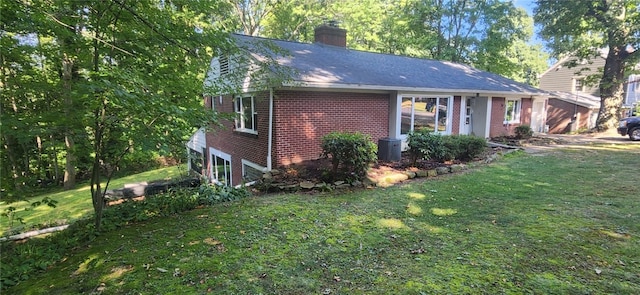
x,y
330,85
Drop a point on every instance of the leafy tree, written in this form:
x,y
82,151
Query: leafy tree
x,y
121,74
250,14
583,28
294,20
491,35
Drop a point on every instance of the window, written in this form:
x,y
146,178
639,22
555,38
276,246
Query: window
x,y
579,85
195,161
251,171
429,113
220,167
246,115
512,111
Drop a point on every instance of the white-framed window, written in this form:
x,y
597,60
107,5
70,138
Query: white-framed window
x,y
512,110
220,167
246,114
426,112
578,85
251,171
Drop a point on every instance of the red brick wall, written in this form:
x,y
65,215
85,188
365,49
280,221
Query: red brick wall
x,y
497,128
455,120
560,113
241,145
301,118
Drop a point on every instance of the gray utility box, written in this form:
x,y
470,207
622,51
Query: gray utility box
x,y
389,149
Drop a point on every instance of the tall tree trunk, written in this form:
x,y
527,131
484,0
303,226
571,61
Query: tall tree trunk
x,y
56,168
611,89
70,169
96,189
96,193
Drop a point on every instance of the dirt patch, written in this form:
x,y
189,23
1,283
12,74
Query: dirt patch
x,y
534,140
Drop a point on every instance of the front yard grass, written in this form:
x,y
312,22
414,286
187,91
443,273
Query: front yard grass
x,y
567,222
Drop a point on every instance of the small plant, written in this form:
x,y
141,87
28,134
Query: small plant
x,y
10,212
351,154
523,132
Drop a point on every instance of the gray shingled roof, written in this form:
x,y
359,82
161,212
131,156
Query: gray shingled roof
x,y
320,65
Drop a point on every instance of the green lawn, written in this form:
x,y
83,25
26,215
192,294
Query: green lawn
x,y
563,223
72,204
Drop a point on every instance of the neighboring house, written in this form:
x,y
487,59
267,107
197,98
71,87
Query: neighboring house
x,y
631,95
573,103
561,77
333,88
567,112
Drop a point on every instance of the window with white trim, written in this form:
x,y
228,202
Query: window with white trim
x,y
512,110
579,85
220,167
426,112
246,114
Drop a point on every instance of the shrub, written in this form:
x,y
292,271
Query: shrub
x,y
524,132
469,147
351,154
426,145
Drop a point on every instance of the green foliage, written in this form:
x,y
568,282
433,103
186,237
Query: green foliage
x,y
465,147
490,35
351,154
100,81
175,201
523,132
11,211
20,261
426,145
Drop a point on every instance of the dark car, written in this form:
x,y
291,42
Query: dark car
x,y
630,126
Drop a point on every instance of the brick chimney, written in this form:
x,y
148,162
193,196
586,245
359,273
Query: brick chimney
x,y
330,34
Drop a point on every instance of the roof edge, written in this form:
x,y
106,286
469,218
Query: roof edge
x,y
409,89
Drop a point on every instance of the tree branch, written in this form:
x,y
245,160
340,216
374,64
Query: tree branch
x,y
150,26
91,37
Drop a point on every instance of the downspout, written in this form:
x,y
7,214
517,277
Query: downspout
x,y
270,137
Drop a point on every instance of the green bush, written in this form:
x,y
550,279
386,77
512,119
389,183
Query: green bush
x,y
426,145
524,132
351,154
469,147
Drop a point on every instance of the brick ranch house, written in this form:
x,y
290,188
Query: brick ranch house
x,y
333,88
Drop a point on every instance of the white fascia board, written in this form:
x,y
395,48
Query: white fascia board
x,y
412,89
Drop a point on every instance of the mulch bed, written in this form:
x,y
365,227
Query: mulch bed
x,y
318,170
